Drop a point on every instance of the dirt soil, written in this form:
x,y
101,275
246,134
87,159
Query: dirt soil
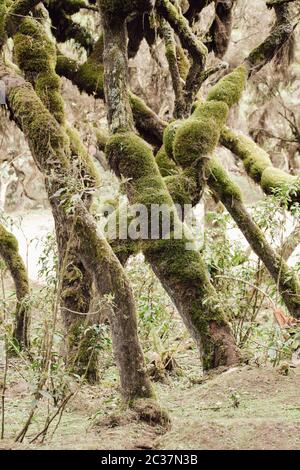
x,y
243,408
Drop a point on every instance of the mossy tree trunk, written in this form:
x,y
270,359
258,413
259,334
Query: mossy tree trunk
x,y
9,251
182,272
191,143
36,56
50,148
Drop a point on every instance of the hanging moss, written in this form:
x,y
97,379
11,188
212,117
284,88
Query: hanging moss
x,y
230,88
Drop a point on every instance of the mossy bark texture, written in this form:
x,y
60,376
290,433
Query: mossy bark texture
x,y
191,143
191,42
36,56
50,148
9,251
182,272
259,166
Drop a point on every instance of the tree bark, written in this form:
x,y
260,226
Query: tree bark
x,y
182,272
50,148
9,251
31,41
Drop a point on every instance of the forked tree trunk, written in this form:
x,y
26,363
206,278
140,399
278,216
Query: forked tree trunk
x,y
182,272
50,149
80,352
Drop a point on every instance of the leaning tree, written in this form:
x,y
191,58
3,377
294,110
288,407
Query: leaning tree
x,y
159,163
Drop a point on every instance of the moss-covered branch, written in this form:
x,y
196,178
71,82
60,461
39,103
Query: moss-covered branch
x,y
50,148
279,35
150,125
189,41
181,271
259,167
171,55
35,54
9,251
284,277
191,143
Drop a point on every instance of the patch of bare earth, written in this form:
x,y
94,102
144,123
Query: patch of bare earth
x,y
244,408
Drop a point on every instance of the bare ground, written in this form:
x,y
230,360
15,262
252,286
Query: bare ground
x,y
244,408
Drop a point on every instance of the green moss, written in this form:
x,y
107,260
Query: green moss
x,y
47,139
217,110
66,67
187,141
149,190
273,178
166,165
90,78
36,56
169,137
2,22
48,89
130,156
181,187
230,88
221,183
9,251
34,51
139,105
102,136
255,159
196,138
179,268
183,62
255,165
8,241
